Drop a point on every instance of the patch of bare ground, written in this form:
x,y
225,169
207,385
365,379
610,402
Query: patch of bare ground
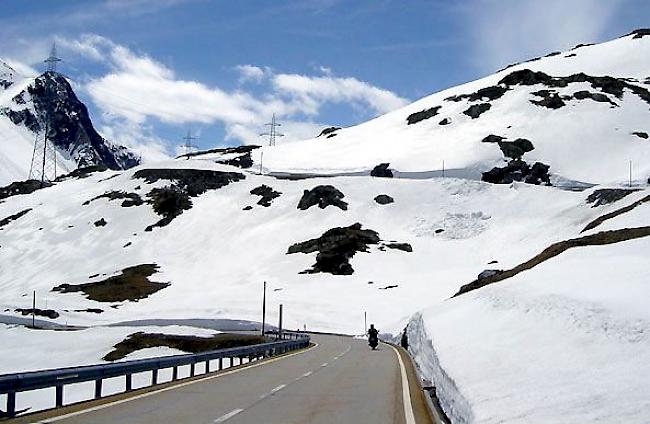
x,y
598,239
13,217
190,344
596,222
132,284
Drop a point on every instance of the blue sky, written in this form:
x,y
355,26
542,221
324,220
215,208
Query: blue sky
x,y
149,70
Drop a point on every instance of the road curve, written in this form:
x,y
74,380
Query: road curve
x,y
339,381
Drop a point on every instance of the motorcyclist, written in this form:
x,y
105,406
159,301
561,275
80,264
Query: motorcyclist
x,y
373,336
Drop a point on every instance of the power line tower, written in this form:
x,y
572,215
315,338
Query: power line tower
x,y
52,60
188,147
272,133
43,167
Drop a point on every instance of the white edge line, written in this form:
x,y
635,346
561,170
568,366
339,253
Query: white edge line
x,y
406,393
280,387
228,416
164,389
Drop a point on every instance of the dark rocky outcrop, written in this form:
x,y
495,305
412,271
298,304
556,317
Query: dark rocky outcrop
x,y
597,97
518,170
605,196
194,181
185,343
422,115
571,55
335,248
382,170
511,149
48,313
132,284
553,54
323,196
100,222
243,160
22,187
491,93
405,247
639,33
384,199
578,46
168,202
328,131
475,111
641,134
596,222
488,273
13,217
551,101
445,121
267,194
83,172
130,199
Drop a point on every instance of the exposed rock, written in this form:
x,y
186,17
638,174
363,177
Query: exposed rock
x,y
475,111
323,196
194,181
48,313
247,208
13,217
185,343
83,172
491,93
640,134
445,121
392,286
405,247
332,135
597,97
90,310
267,193
168,202
130,199
489,273
100,222
640,33
384,199
582,45
625,209
422,115
382,170
552,101
244,161
493,139
22,187
605,196
518,170
571,55
336,247
132,284
328,130
511,149
553,54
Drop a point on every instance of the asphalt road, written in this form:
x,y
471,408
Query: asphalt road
x,y
339,381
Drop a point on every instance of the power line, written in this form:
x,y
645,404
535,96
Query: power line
x,y
272,133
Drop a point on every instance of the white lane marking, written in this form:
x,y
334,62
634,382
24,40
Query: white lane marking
x,y
307,374
228,416
406,393
325,364
177,386
280,387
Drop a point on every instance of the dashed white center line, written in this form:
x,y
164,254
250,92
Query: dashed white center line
x,y
228,416
280,387
325,364
307,374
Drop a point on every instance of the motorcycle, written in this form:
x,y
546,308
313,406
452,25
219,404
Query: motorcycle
x,y
373,341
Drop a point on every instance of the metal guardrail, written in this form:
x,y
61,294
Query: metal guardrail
x,y
10,384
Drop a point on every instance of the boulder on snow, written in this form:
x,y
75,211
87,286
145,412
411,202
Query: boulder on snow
x,y
384,199
518,170
323,196
475,111
100,222
328,131
445,121
382,170
489,273
267,194
511,149
551,101
48,313
641,134
422,115
491,93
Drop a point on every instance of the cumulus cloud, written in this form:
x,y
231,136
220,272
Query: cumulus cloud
x,y
138,87
506,31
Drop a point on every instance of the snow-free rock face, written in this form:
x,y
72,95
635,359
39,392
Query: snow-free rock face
x,y
29,107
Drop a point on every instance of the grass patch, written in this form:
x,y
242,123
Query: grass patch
x,y
189,344
132,284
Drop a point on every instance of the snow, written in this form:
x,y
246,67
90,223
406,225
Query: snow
x,y
565,341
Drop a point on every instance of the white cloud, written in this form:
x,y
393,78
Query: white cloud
x,y
139,138
250,73
506,31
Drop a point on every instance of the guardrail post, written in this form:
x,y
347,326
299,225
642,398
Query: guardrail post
x,y
192,369
220,364
11,404
59,396
98,388
154,377
129,382
174,373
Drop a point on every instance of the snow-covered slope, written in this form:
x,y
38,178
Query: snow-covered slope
x,y
584,140
554,331
29,106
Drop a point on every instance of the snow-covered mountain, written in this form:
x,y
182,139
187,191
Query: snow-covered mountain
x,y
30,106
520,275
